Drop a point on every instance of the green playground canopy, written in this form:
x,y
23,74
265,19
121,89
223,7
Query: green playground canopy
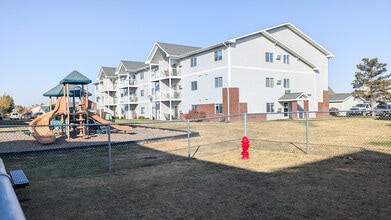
x,y
74,91
75,78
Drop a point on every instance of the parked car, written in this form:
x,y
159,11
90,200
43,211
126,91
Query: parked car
x,y
1,116
27,116
14,116
37,114
382,110
360,109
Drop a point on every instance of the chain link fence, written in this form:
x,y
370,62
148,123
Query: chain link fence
x,y
98,148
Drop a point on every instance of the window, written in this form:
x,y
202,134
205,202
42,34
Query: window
x,y
219,55
286,58
193,85
218,108
269,82
142,110
194,107
270,107
142,93
269,57
218,82
286,83
193,62
142,75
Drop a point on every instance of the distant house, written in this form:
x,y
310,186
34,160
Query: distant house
x,y
40,108
342,101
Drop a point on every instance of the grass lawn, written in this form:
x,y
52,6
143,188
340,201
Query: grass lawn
x,y
347,175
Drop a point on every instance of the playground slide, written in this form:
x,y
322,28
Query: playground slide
x,y
43,134
100,120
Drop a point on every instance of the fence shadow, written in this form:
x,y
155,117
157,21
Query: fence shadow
x,y
146,183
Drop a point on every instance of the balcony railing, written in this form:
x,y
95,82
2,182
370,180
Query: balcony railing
x,y
128,99
161,96
109,87
110,101
165,74
127,83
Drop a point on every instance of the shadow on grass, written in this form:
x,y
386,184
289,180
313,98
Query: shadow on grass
x,y
149,184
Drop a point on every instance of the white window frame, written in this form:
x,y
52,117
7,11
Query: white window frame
x,y
218,55
218,108
286,58
270,107
269,57
194,85
219,82
269,82
287,83
193,62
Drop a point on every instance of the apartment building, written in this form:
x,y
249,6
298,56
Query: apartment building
x,y
278,69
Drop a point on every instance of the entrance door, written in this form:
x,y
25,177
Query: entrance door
x,y
286,109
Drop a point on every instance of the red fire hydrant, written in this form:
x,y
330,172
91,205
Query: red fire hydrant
x,y
245,146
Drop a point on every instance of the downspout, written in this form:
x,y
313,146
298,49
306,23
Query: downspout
x,y
170,89
229,76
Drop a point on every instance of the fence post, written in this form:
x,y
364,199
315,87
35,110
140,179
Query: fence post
x,y
245,123
307,132
188,139
109,145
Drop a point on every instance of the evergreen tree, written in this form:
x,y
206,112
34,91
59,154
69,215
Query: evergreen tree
x,y
372,84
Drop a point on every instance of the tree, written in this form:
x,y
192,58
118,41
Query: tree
x,y
372,84
19,109
6,104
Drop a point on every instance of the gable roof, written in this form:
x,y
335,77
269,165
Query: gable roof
x,y
267,33
132,66
75,78
170,50
293,97
294,30
339,97
106,72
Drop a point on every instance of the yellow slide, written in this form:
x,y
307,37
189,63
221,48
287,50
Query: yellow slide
x,y
43,134
100,120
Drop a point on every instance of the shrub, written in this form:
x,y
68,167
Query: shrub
x,y
193,114
334,111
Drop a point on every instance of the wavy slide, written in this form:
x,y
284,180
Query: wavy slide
x,y
100,120
43,134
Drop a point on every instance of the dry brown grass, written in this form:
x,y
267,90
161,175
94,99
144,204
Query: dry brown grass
x,y
338,179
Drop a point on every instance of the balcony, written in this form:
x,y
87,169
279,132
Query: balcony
x,y
166,96
129,99
128,83
110,101
109,87
166,74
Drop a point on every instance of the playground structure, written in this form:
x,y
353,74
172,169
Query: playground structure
x,y
70,115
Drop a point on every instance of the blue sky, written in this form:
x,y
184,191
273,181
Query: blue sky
x,y
41,42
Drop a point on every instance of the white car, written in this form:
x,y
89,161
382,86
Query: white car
x,y
14,116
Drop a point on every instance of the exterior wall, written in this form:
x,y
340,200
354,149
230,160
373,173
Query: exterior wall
x,y
204,73
311,53
249,72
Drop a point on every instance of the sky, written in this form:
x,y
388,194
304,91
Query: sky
x,y
41,42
